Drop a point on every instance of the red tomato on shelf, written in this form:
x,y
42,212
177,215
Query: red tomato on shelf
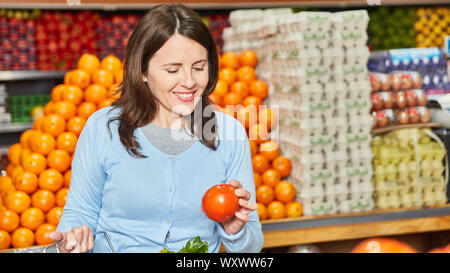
x,y
220,202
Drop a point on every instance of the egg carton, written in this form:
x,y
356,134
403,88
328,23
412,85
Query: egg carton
x,y
309,22
350,20
293,58
356,55
319,208
356,205
349,73
348,39
295,41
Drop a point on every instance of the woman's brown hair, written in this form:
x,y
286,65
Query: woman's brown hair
x,y
137,103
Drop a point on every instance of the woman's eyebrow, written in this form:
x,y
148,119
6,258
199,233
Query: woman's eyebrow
x,y
180,64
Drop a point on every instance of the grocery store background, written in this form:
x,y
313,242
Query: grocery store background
x,y
358,93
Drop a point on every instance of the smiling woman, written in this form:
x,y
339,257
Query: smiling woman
x,y
166,65
136,188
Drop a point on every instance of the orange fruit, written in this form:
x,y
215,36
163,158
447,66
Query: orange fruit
x,y
111,63
43,199
10,167
248,57
260,163
6,186
294,209
105,103
54,215
14,153
259,133
37,125
230,60
103,77
228,75
24,138
276,210
53,124
253,147
35,163
240,87
259,89
16,171
72,94
17,201
24,154
114,91
221,88
66,109
5,240
247,116
57,91
51,180
42,232
246,74
268,118
214,98
32,218
26,182
258,179
271,177
67,175
264,194
88,62
61,197
232,99
48,108
86,109
9,220
78,77
42,143
283,165
118,76
253,100
59,160
262,211
95,93
67,141
285,191
75,125
269,149
383,245
22,237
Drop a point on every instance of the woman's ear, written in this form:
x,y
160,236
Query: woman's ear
x,y
144,78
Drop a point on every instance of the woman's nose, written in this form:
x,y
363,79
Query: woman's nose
x,y
188,81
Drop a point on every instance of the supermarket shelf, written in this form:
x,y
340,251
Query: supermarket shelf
x,y
14,127
317,229
204,4
30,75
397,127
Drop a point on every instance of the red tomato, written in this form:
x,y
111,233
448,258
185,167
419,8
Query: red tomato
x,y
220,203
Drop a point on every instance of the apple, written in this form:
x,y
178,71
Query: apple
x,y
377,102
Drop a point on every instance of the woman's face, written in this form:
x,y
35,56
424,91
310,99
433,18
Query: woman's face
x,y
178,74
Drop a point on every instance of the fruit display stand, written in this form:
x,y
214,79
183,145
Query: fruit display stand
x,y
319,229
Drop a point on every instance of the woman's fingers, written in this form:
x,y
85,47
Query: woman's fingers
x,y
56,236
235,184
70,244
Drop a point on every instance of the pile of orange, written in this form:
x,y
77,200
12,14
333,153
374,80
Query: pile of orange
x,y
241,94
33,192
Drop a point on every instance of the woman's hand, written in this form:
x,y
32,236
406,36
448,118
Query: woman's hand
x,y
235,224
78,240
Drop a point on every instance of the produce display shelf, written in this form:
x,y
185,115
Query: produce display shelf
x,y
30,75
204,4
14,127
397,127
316,229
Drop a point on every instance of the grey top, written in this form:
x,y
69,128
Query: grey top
x,y
166,140
174,142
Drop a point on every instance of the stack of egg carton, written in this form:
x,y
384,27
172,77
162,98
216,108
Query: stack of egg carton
x,y
319,82
404,178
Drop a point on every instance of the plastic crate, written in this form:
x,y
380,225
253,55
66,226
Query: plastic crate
x,y
20,106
